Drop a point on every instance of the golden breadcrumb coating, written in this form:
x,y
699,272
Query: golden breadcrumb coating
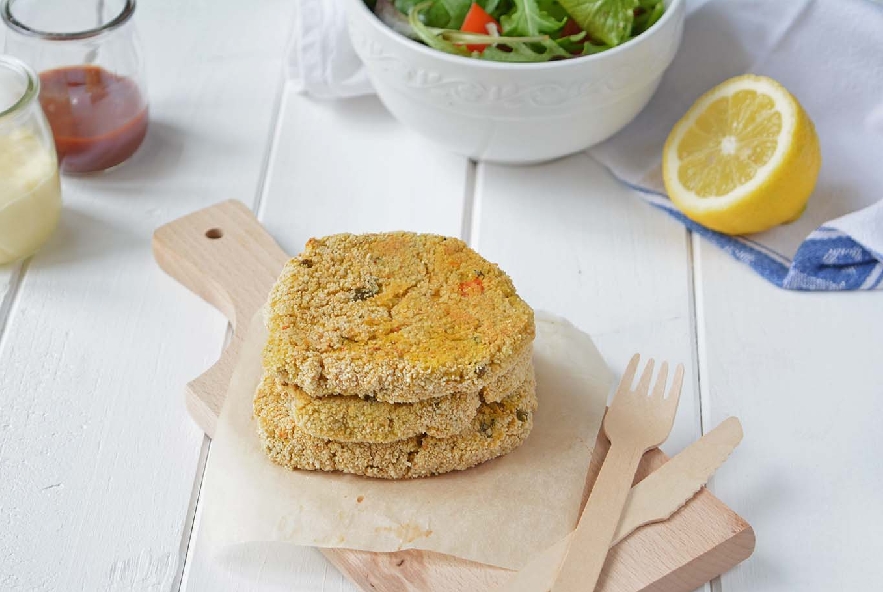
x,y
508,381
497,428
399,317
351,419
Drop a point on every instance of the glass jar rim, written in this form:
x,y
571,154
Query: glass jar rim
x,y
16,25
32,87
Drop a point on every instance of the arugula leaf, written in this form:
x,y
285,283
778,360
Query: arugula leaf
x,y
405,6
590,49
445,14
609,21
457,10
496,8
466,38
541,51
529,19
578,45
429,37
490,6
572,44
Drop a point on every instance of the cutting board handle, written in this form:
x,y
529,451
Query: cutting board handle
x,y
223,254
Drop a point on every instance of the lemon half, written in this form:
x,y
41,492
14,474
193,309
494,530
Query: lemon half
x,y
744,158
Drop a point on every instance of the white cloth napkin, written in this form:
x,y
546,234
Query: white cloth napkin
x,y
321,59
828,53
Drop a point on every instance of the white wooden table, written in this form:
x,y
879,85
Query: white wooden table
x,y
100,466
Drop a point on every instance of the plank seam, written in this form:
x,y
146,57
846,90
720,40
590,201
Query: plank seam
x,y
270,150
697,311
186,546
468,201
477,188
10,301
694,306
272,141
187,543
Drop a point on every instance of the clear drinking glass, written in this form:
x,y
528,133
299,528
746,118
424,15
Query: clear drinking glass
x,y
91,71
30,193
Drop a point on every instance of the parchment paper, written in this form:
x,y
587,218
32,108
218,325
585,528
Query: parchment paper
x,y
499,513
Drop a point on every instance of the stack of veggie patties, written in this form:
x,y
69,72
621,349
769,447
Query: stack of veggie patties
x,y
394,355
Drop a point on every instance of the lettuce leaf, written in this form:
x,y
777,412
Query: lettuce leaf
x,y
609,21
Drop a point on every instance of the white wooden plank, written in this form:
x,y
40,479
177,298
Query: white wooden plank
x,y
348,166
579,244
97,454
343,166
804,374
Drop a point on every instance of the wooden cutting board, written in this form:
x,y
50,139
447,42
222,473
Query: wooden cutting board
x,y
223,254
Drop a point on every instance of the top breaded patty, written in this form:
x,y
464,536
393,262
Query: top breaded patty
x,y
399,317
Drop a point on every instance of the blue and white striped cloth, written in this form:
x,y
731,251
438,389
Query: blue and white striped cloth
x,y
830,55
828,259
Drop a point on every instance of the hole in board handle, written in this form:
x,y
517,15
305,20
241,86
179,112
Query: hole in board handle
x,y
214,233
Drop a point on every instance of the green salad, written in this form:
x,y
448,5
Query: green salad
x,y
519,30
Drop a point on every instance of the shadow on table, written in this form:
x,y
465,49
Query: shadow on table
x,y
159,155
364,112
83,237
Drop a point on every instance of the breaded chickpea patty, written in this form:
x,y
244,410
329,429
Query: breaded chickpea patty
x,y
497,429
399,317
353,419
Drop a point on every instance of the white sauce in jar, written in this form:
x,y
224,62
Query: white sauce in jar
x,y
30,193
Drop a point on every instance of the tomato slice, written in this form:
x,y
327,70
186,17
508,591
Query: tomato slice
x,y
476,21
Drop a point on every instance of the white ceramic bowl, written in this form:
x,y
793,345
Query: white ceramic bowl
x,y
514,113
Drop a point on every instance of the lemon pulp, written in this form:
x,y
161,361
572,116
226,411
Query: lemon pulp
x,y
744,158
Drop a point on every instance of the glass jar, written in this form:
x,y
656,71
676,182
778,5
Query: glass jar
x,y
91,73
30,192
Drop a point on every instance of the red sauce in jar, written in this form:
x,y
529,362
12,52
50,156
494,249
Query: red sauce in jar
x,y
98,119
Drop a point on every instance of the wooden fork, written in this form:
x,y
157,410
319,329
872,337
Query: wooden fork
x,y
636,421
